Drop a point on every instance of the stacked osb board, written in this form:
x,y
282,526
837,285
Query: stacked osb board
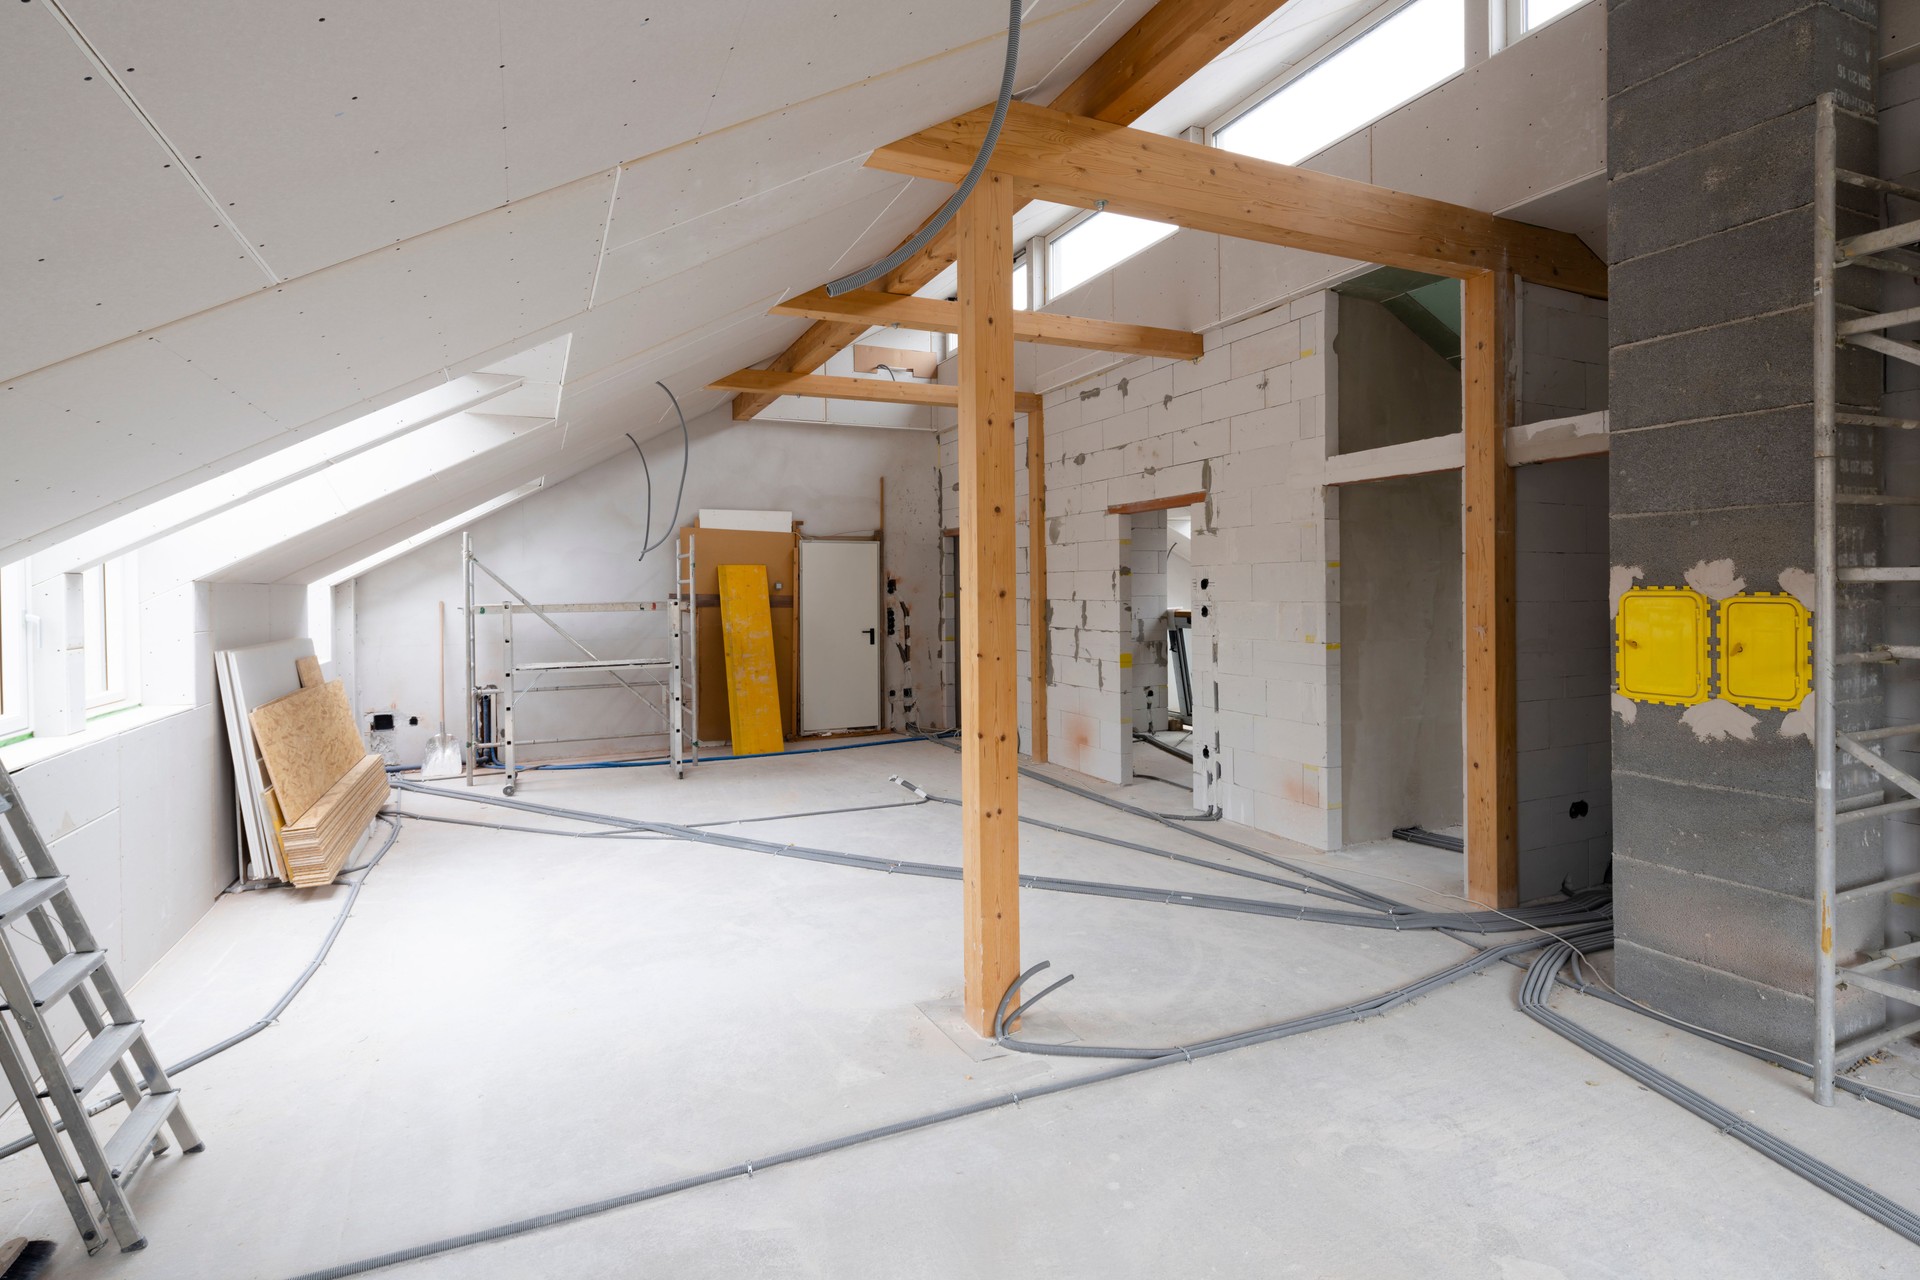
x,y
324,785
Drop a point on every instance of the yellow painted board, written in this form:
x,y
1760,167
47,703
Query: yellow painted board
x,y
1766,646
753,686
1660,639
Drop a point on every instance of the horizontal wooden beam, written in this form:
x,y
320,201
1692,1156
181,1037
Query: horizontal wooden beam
x,y
1156,504
936,315
774,383
1079,161
1156,55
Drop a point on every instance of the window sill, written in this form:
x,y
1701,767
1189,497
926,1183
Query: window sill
x,y
108,724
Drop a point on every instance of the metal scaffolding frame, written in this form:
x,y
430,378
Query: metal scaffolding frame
x,y
1885,248
657,683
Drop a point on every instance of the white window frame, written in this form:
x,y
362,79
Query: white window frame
x,y
1066,229
1517,19
1347,35
16,710
108,588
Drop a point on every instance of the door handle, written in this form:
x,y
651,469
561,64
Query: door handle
x,y
870,634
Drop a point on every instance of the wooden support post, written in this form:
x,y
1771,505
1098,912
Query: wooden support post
x,y
1039,638
1487,512
989,701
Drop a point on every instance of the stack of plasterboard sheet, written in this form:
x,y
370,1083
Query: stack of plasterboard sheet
x,y
250,678
326,785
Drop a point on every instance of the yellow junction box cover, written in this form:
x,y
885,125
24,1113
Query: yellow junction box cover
x,y
1660,645
1765,650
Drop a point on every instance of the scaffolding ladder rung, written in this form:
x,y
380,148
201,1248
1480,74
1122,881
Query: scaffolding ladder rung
x,y
1876,420
1879,986
1885,653
1872,182
1874,811
1905,351
1878,887
1873,1042
1897,236
1879,320
1891,957
1880,573
1880,262
1883,732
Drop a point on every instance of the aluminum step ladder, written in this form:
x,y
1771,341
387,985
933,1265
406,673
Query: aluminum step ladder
x,y
52,1089
1838,437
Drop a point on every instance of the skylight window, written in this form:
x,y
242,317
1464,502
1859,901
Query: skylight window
x,y
1391,63
1097,244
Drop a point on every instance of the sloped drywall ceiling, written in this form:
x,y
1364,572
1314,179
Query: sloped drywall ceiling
x,y
161,344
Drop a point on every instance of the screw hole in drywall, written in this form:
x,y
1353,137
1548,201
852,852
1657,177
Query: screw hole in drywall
x,y
1206,753
1203,610
1578,809
1203,584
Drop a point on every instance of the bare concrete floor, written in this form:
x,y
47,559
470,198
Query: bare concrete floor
x,y
515,1023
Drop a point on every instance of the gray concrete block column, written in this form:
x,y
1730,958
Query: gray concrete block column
x,y
1710,130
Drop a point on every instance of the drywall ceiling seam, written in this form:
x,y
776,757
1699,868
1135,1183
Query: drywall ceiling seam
x,y
126,95
606,238
874,222
1040,81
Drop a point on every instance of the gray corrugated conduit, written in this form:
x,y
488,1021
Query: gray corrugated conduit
x,y
867,275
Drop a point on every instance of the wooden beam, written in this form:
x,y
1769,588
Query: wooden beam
x,y
1158,55
871,308
1487,515
1039,635
1162,50
1156,504
825,386
1081,161
989,706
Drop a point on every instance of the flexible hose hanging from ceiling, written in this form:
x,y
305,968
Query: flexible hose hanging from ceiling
x,y
862,278
647,542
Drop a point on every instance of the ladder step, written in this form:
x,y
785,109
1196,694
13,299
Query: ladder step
x,y
1876,420
90,1066
1875,811
1883,733
1879,986
130,1143
1895,237
27,895
66,974
1882,573
1881,320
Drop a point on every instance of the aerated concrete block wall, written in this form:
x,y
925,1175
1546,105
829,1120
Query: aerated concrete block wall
x,y
1245,425
1710,132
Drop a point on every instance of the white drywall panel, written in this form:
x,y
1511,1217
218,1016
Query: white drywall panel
x,y
388,477
454,486
86,433
166,515
1517,125
352,127
381,320
106,236
390,544
849,194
